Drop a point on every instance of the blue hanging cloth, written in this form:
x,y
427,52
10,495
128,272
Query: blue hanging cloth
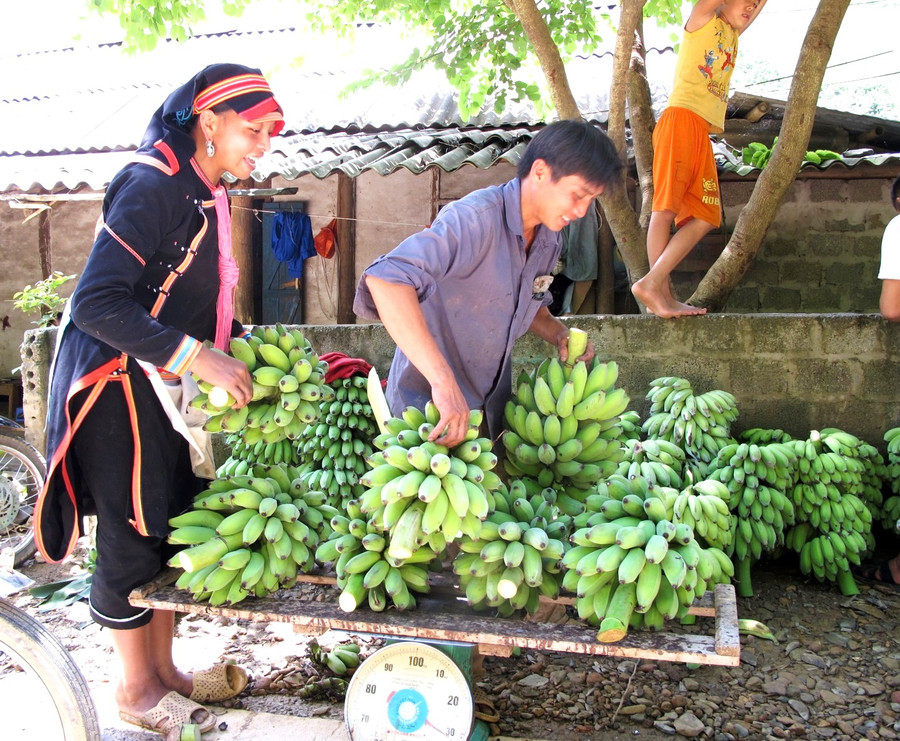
x,y
292,240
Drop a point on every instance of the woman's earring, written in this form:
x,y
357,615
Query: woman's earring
x,y
210,148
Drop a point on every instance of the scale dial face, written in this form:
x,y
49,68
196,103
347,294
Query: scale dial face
x,y
408,690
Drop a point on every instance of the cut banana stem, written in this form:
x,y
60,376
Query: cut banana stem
x,y
578,340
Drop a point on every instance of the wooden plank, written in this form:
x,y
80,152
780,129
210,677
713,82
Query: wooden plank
x,y
346,248
442,617
728,639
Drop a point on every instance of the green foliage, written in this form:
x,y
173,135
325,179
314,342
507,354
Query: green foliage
x,y
147,21
44,297
66,591
666,12
480,46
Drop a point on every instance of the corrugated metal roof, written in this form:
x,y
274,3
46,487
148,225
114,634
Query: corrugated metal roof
x,y
322,154
65,172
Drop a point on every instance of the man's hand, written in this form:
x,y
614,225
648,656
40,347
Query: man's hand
x,y
563,347
453,424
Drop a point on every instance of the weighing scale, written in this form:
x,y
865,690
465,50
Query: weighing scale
x,y
412,690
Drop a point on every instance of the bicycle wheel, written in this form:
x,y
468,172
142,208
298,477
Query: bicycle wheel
x,y
58,703
22,474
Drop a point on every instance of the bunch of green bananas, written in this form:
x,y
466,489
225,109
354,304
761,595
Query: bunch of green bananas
x,y
868,470
828,470
818,156
890,514
826,475
341,659
630,423
699,424
548,505
365,568
891,508
516,559
827,555
757,154
873,477
246,535
757,478
704,507
763,436
633,566
892,439
437,491
334,449
288,384
659,461
562,424
243,456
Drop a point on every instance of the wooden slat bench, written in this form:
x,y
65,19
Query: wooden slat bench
x,y
444,615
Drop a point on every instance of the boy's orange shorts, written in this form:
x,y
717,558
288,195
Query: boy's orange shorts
x,y
684,170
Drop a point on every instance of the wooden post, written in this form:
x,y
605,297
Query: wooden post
x,y
44,248
346,249
605,299
242,226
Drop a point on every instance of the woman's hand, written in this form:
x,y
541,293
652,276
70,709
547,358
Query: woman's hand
x,y
224,371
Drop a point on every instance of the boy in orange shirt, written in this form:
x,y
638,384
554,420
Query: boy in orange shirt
x,y
686,185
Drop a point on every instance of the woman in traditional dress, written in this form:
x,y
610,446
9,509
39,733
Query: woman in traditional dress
x,y
157,286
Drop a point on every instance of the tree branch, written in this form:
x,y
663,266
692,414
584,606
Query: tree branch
x,y
547,52
640,117
620,213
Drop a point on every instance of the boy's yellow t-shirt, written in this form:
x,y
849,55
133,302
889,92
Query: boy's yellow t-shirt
x,y
703,72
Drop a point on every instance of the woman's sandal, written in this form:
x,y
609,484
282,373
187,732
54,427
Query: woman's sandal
x,y
173,711
219,682
484,707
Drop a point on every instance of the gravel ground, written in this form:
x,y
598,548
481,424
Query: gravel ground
x,y
832,673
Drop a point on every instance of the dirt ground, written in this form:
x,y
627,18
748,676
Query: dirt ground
x,y
833,672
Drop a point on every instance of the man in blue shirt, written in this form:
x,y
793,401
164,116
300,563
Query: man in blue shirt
x,y
456,296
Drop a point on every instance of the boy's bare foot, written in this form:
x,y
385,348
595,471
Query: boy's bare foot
x,y
659,303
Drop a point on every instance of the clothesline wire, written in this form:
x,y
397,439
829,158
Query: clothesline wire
x,y
258,211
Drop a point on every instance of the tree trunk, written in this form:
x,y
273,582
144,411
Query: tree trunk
x,y
781,170
548,56
640,117
620,213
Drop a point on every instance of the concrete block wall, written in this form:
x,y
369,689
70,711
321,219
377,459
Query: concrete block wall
x,y
796,372
821,253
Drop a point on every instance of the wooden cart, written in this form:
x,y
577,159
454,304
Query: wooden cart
x,y
444,615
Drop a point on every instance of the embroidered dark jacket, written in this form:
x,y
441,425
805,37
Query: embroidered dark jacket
x,y
148,291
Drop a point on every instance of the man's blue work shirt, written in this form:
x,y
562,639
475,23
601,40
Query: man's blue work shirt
x,y
476,287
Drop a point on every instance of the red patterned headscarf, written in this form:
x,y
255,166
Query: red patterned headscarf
x,y
168,141
243,89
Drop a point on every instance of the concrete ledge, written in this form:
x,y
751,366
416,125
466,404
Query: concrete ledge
x,y
796,372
